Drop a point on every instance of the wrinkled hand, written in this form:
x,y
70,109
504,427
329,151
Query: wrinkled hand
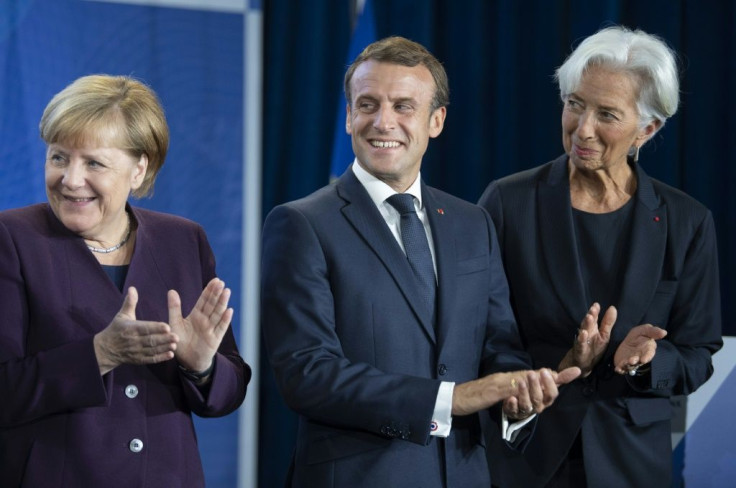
x,y
130,341
591,341
201,332
539,392
533,390
638,348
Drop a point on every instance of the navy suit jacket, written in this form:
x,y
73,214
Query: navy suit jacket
x,y
354,354
61,423
670,280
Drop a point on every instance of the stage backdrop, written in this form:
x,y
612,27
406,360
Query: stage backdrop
x,y
192,54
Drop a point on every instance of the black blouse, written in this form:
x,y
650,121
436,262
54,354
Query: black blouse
x,y
602,241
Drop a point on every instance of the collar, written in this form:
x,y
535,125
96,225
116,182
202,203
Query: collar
x,y
380,191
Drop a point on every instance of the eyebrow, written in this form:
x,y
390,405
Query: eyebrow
x,y
54,148
410,100
611,109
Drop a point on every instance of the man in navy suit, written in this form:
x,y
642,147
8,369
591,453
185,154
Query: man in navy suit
x,y
393,388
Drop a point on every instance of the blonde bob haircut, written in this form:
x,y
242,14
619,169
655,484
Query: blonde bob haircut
x,y
112,111
644,57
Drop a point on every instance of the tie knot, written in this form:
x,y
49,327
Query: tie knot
x,y
403,202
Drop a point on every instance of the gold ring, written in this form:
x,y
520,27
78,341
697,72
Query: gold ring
x,y
513,383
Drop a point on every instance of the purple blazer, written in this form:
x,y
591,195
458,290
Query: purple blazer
x,y
61,424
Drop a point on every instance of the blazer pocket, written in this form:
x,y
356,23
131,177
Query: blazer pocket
x,y
645,411
472,265
659,309
328,447
44,467
666,287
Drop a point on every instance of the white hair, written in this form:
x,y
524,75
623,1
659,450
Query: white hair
x,y
645,57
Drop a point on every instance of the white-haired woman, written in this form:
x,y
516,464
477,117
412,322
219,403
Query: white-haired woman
x,y
590,227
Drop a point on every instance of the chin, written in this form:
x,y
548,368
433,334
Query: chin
x,y
585,163
78,225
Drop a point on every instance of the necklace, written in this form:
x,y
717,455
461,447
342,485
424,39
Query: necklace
x,y
106,250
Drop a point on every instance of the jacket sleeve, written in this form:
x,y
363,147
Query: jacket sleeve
x,y
231,375
490,200
683,359
503,345
301,337
37,383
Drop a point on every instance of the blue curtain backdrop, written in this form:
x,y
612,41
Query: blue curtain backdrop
x,y
364,33
504,114
194,60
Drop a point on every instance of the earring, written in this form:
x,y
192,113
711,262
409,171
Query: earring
x,y
636,154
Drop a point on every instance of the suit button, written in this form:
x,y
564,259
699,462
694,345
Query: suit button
x,y
136,445
131,391
442,370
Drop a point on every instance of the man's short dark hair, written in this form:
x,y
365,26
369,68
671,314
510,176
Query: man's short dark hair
x,y
402,51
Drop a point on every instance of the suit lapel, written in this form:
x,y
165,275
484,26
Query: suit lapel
x,y
445,257
646,253
558,244
93,299
365,218
144,274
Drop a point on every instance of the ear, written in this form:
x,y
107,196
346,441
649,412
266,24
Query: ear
x,y
348,122
139,172
647,132
437,121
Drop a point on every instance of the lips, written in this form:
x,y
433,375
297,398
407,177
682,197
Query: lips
x,y
584,151
78,199
80,202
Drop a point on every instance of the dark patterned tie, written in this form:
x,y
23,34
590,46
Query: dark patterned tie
x,y
416,247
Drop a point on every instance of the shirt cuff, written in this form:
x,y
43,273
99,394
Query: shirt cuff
x,y
442,415
509,431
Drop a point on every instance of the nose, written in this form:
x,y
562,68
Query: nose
x,y
73,176
586,126
385,119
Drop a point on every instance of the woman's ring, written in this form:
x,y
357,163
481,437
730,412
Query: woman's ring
x,y
513,383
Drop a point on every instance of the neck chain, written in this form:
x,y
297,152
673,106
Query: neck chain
x,y
106,250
